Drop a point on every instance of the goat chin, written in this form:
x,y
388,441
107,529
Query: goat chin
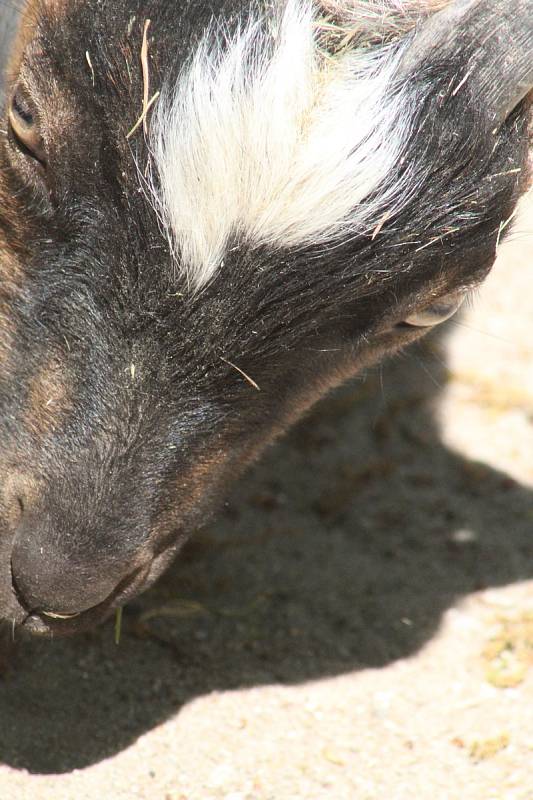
x,y
210,215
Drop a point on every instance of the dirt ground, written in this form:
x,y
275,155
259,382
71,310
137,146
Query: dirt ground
x,y
357,624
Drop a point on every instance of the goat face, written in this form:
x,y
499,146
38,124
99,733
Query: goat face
x,y
175,292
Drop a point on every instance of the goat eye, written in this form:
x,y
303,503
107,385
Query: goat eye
x,y
24,127
439,311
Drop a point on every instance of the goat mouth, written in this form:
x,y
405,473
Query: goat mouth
x,y
54,624
55,615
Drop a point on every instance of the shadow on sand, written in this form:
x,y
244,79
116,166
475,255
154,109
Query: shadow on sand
x,y
341,550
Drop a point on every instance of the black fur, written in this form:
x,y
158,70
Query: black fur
x,y
156,423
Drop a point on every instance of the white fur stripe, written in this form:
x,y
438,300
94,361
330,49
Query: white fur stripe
x,y
267,138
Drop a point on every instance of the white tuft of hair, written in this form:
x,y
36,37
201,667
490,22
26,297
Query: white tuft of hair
x,y
268,138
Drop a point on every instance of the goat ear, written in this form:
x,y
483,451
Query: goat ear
x,y
496,35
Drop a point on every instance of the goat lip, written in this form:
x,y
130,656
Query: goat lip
x,y
52,624
55,615
56,625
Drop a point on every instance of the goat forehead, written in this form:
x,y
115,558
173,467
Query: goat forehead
x,y
259,136
266,138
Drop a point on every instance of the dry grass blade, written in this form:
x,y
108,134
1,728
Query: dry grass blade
x,y
178,609
241,372
118,625
147,100
90,63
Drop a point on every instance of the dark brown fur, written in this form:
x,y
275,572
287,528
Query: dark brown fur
x,y
122,419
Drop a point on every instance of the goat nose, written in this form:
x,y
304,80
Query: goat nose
x,y
50,575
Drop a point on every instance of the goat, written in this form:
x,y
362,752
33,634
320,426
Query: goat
x,y
211,214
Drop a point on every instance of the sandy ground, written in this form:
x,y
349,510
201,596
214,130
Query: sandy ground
x,y
357,624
